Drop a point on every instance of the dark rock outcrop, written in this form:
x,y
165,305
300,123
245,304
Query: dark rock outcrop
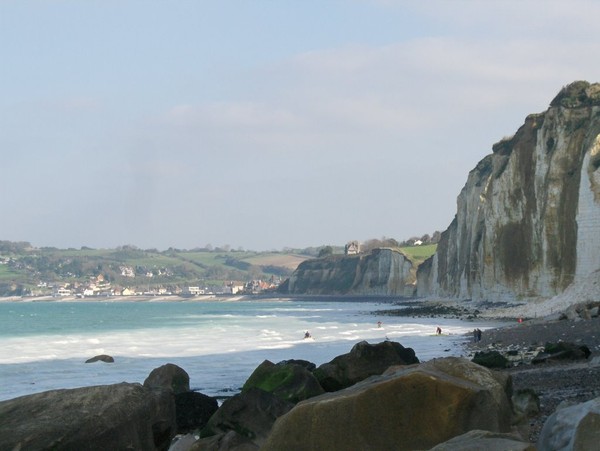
x,y
562,351
101,358
380,272
407,408
250,414
169,376
193,410
288,381
362,361
491,359
528,217
120,416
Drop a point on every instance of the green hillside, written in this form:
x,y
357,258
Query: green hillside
x,y
28,270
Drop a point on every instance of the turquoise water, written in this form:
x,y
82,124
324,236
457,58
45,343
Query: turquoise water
x,y
43,345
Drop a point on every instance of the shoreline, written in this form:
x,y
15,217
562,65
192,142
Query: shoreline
x,y
557,383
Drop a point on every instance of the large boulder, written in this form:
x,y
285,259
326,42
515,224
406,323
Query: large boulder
x,y
575,428
287,380
362,361
120,416
193,410
169,376
250,414
499,384
408,408
478,440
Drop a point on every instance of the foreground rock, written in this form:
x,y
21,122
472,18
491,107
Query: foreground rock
x,y
120,416
250,415
287,380
362,361
193,410
412,407
169,376
573,428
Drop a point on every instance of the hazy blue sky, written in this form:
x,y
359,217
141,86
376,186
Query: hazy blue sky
x,y
265,124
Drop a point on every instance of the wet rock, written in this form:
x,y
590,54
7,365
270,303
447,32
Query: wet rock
x,y
101,358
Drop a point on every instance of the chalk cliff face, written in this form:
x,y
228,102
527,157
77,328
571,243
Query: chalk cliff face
x,y
528,219
380,272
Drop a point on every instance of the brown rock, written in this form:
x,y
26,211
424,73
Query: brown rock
x,y
414,407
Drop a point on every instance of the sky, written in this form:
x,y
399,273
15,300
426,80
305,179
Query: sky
x,y
264,125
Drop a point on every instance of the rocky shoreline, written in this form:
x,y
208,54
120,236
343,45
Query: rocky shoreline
x,y
558,383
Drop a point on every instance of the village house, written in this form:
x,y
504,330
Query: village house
x,y
233,288
352,248
61,291
191,291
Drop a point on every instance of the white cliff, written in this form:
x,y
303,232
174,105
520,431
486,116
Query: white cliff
x,y
528,219
382,271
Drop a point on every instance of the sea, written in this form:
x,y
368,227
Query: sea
x,y
218,342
